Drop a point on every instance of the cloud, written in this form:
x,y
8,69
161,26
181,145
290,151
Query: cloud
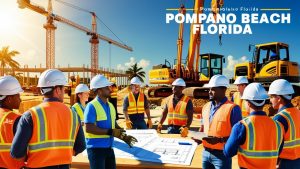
x,y
142,63
231,62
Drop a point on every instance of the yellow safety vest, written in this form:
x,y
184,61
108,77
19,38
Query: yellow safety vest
x,y
79,111
237,100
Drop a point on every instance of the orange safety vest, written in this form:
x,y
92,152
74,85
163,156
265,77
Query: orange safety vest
x,y
136,107
220,125
114,93
263,139
237,100
55,128
291,148
178,115
7,120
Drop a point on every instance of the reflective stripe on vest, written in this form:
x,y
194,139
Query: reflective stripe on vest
x,y
134,106
237,100
256,152
102,118
4,147
178,115
79,111
114,93
220,126
291,148
43,142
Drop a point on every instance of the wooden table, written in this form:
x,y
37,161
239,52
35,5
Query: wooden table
x,y
82,162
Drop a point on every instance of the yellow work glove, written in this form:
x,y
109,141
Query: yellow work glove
x,y
149,123
119,133
184,131
159,127
128,124
130,140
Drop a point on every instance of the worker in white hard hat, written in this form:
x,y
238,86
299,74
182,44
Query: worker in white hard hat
x,y
241,82
257,139
179,110
101,126
219,115
114,96
49,134
135,105
82,92
281,92
10,90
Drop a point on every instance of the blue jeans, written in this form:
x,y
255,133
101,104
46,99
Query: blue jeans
x,y
101,158
289,164
215,160
139,124
173,129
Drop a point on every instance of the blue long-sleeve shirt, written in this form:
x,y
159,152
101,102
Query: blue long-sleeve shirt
x,y
281,119
238,137
236,114
24,134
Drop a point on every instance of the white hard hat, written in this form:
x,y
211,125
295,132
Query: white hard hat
x,y
281,87
51,78
136,81
218,81
81,88
241,80
178,82
99,81
9,86
255,92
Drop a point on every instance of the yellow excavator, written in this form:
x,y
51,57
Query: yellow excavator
x,y
270,61
211,64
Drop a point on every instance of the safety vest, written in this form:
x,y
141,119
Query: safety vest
x,y
79,111
291,148
237,100
102,118
261,147
55,128
114,93
177,116
7,120
220,126
136,107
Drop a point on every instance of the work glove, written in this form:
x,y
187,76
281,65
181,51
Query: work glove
x,y
130,140
119,133
149,123
128,124
184,131
159,127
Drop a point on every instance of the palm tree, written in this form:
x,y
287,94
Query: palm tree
x,y
134,70
6,59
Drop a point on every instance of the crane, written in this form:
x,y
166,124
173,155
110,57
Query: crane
x,y
50,33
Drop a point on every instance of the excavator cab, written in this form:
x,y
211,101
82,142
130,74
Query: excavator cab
x,y
211,64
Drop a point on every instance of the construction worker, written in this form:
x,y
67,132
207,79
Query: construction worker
x,y
82,92
9,100
219,115
280,92
257,139
49,134
134,107
179,110
101,126
114,96
241,82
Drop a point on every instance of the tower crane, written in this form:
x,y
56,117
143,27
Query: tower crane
x,y
50,33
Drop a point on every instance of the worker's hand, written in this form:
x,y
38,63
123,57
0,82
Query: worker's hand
x,y
128,124
159,127
197,140
184,131
130,140
149,123
119,133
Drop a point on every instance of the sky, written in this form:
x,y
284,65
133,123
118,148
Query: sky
x,y
140,24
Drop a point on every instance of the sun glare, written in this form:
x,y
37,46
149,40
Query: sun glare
x,y
9,17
